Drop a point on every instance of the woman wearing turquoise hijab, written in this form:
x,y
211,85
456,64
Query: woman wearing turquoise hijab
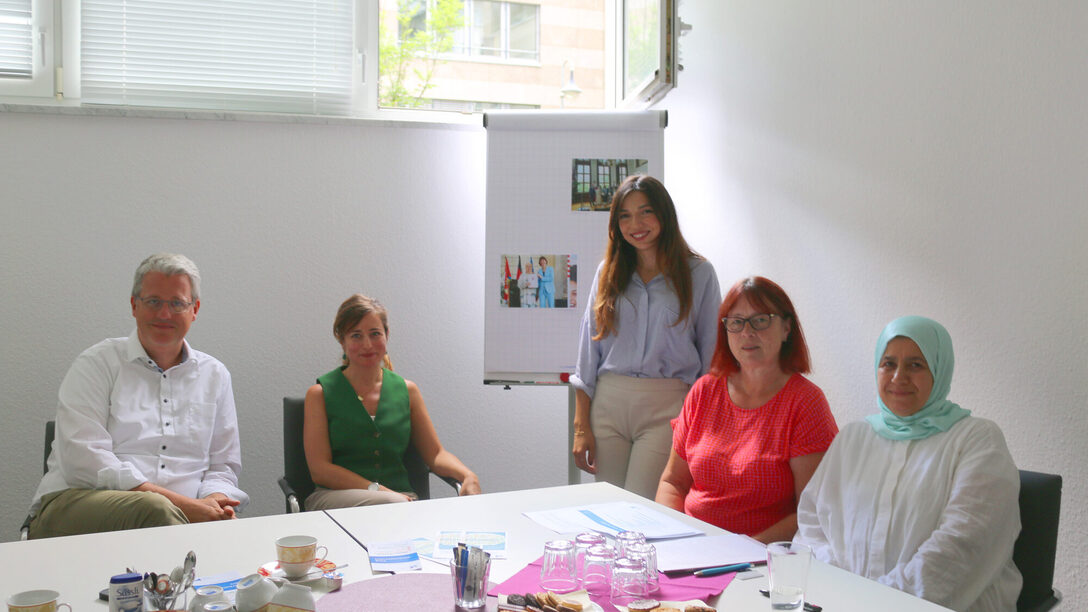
x,y
921,496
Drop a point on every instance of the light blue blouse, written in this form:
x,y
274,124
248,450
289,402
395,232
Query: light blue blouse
x,y
646,344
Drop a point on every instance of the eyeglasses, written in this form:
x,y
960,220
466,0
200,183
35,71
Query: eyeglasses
x,y
759,322
176,306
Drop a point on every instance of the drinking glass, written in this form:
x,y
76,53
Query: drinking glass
x,y
559,572
586,540
624,538
648,554
597,569
470,583
787,569
628,581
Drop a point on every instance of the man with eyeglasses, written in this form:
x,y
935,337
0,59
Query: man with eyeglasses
x,y
147,433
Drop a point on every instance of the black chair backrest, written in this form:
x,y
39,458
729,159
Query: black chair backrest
x,y
295,469
50,433
1040,507
297,472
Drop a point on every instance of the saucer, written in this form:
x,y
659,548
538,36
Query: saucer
x,y
273,570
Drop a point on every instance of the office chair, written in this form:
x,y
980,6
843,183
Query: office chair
x,y
1036,546
296,483
50,433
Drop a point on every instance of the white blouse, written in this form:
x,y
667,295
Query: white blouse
x,y
936,518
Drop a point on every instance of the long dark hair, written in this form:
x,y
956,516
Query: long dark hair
x,y
621,259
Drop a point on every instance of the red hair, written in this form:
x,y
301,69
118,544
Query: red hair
x,y
765,296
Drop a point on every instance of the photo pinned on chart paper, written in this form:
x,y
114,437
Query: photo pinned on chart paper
x,y
538,281
593,181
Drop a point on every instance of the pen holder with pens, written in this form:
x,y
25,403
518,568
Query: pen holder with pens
x,y
470,568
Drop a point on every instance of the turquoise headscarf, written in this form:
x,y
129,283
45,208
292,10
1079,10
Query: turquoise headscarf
x,y
938,414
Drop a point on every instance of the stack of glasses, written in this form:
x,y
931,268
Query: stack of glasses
x,y
624,570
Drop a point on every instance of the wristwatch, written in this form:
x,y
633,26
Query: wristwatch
x,y
374,486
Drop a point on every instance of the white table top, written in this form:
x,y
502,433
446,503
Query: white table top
x,y
80,566
834,589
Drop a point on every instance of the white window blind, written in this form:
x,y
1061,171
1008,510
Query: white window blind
x,y
16,40
290,56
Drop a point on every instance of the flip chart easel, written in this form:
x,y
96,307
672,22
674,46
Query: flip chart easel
x,y
530,191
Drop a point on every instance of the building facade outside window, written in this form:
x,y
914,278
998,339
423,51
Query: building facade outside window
x,y
325,57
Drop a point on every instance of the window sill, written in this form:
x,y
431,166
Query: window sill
x,y
390,118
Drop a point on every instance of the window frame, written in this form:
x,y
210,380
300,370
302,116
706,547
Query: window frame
x,y
60,24
654,88
41,82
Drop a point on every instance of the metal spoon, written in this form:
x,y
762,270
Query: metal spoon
x,y
149,582
188,571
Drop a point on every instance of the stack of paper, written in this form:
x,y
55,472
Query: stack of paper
x,y
612,518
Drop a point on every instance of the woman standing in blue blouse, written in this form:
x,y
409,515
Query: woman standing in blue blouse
x,y
546,288
648,333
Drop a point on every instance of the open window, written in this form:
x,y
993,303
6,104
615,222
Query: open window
x,y
647,54
340,57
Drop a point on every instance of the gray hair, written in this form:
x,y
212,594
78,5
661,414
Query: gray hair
x,y
169,264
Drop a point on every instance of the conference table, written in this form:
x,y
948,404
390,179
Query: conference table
x,y
80,566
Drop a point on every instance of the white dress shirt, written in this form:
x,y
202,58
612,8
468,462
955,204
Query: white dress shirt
x,y
646,343
122,421
935,517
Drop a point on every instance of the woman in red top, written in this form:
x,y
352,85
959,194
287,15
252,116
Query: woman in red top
x,y
753,429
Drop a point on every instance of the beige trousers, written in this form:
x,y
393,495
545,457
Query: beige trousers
x,y
328,499
77,511
630,420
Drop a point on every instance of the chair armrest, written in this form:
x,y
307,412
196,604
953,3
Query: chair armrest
x,y
290,497
451,481
24,531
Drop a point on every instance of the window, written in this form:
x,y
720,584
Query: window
x,y
539,53
649,51
337,57
500,30
26,47
581,181
284,56
604,176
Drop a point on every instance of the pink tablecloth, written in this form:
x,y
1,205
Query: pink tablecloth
x,y
408,591
682,588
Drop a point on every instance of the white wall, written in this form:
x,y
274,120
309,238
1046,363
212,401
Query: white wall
x,y
285,221
881,158
877,158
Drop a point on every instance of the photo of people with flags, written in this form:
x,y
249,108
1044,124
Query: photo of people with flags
x,y
539,281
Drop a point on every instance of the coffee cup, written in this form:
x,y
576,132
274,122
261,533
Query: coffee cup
x,y
205,595
297,554
41,600
254,592
292,598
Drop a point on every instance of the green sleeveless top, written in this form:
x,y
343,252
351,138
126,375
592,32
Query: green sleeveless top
x,y
372,448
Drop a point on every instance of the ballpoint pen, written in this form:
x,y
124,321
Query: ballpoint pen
x,y
809,607
725,569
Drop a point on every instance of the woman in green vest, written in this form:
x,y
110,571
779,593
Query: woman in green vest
x,y
361,417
